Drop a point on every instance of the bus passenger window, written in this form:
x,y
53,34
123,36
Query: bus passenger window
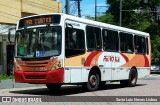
x,y
110,40
126,42
128,49
74,42
147,47
94,40
140,44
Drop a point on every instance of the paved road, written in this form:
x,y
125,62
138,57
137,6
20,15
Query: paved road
x,y
149,86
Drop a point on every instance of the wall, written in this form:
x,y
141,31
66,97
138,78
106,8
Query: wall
x,y
4,42
12,10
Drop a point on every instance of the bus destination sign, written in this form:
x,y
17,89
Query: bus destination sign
x,y
39,20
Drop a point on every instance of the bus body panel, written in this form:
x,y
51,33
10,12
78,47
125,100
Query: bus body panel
x,y
52,76
142,72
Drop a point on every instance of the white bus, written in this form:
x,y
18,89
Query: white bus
x,y
56,49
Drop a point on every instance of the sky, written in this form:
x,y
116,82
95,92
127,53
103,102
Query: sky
x,y
87,7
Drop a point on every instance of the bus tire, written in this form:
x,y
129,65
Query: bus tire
x,y
93,81
131,82
133,76
53,86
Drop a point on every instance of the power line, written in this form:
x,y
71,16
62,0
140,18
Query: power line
x,y
78,6
74,8
96,9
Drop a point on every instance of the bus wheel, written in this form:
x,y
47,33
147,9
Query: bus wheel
x,y
131,82
53,86
133,77
93,81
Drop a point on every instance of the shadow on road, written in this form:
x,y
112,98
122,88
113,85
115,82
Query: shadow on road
x,y
67,90
158,73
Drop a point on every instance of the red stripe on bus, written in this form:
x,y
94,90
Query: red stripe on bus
x,y
90,57
125,57
146,61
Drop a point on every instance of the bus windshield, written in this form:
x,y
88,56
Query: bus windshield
x,y
38,42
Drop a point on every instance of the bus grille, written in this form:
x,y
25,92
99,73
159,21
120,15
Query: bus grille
x,y
38,64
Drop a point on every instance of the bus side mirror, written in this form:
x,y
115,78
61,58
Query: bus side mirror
x,y
9,33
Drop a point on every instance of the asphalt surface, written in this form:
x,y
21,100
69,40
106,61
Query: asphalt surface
x,y
148,86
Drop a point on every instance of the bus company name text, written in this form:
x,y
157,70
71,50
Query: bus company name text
x,y
111,59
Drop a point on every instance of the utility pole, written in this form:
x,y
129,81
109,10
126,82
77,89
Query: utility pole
x,y
120,13
79,9
95,10
67,7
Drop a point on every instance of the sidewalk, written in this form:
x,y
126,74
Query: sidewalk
x,y
10,83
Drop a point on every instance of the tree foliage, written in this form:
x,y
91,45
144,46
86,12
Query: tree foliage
x,y
106,18
136,14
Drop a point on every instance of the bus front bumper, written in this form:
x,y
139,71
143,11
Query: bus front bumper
x,y
52,76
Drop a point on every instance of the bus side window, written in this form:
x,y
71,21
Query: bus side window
x,y
126,42
110,40
140,44
74,42
94,40
147,46
68,34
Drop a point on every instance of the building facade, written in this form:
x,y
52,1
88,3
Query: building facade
x,y
12,10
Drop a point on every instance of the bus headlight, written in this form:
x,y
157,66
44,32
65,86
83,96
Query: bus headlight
x,y
17,67
57,65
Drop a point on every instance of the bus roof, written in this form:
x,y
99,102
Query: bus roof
x,y
95,23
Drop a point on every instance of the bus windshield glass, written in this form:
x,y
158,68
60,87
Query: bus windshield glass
x,y
38,42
